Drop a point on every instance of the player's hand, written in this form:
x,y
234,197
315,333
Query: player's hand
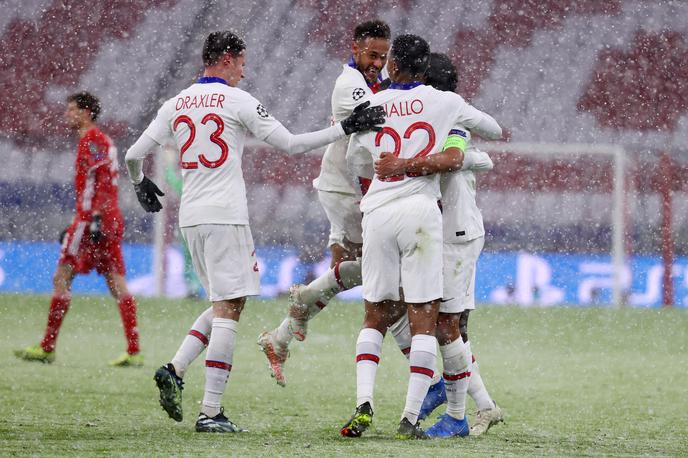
x,y
389,165
96,228
364,117
147,193
63,234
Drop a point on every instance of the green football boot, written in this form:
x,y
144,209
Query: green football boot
x,y
35,353
359,422
127,360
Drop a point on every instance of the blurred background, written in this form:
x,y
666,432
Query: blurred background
x,y
593,96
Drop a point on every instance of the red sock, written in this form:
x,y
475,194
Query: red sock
x,y
58,309
127,310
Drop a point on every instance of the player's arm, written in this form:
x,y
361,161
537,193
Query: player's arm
x,y
136,154
476,160
99,163
146,191
360,164
450,159
477,121
265,127
156,134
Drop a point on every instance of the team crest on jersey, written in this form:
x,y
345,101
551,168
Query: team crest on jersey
x,y
358,94
262,112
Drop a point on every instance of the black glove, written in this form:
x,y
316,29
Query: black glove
x,y
364,118
96,228
146,193
63,234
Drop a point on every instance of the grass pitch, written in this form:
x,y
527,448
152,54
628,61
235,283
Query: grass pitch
x,y
572,382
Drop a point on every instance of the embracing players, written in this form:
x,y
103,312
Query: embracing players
x,y
402,224
463,241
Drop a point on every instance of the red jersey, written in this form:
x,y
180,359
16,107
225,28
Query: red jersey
x,y
95,181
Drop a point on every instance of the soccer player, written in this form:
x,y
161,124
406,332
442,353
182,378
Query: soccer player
x,y
463,236
208,122
359,80
93,240
402,224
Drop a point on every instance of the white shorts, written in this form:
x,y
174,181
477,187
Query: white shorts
x,y
344,214
225,260
459,262
402,247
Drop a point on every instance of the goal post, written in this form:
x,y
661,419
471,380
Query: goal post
x,y
567,151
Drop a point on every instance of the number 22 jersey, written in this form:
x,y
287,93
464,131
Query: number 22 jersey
x,y
418,119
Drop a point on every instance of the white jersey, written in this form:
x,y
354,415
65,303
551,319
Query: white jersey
x,y
418,120
461,217
350,90
208,121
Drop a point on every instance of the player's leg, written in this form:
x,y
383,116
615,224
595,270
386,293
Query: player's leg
x,y
196,339
127,310
194,343
71,255
456,376
380,263
218,365
232,271
306,301
345,244
378,316
59,305
420,241
422,362
489,413
401,331
168,377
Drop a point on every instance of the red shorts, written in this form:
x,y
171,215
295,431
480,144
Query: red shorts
x,y
84,255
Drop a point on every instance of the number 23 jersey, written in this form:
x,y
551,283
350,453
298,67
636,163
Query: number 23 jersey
x,y
417,121
208,123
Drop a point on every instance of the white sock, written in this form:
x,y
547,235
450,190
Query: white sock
x,y
423,364
318,293
476,387
218,363
368,351
194,343
283,334
456,377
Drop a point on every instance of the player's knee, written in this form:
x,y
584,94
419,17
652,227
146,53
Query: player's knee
x,y
62,280
351,270
447,328
230,309
376,318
